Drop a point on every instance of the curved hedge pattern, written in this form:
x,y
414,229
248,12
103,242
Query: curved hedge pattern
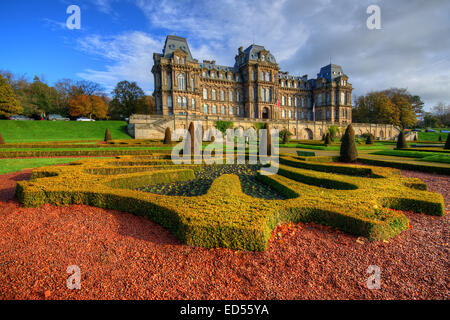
x,y
354,199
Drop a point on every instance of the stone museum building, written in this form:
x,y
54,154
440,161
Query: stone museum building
x,y
254,88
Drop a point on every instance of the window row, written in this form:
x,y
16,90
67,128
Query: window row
x,y
297,101
222,95
219,75
213,109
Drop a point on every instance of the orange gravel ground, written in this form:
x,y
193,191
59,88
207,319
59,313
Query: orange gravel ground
x,y
122,256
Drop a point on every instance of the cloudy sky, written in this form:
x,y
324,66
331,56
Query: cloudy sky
x,y
118,37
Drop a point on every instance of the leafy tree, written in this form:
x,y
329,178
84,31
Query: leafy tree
x,y
431,121
222,126
416,102
404,111
8,103
127,99
107,135
333,130
167,136
401,141
88,106
285,135
442,112
375,107
348,152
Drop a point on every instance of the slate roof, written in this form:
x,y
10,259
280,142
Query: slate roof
x,y
330,72
175,42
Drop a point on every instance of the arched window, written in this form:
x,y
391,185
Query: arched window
x,y
283,113
290,114
181,82
212,74
179,101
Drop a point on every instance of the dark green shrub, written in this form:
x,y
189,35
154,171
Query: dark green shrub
x,y
447,142
348,152
327,139
370,139
285,136
440,138
269,140
107,135
167,136
1,139
222,126
401,141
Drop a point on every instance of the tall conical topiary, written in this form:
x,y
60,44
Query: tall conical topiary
x,y
191,131
440,138
1,139
401,141
370,139
107,135
447,142
269,139
348,146
167,136
327,139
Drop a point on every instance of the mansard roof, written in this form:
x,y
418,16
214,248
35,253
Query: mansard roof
x,y
174,43
330,72
252,53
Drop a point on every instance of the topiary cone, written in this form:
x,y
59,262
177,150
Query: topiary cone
x,y
107,135
369,139
1,139
447,142
348,152
167,136
401,141
440,138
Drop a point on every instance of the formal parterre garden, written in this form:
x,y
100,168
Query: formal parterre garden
x,y
235,206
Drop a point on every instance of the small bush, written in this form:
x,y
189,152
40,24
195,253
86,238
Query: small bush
x,y
333,130
1,139
107,135
222,126
285,135
167,136
401,141
348,152
370,139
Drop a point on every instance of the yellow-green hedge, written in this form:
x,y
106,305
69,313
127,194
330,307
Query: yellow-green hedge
x,y
225,216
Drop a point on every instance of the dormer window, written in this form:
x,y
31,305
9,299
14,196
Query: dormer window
x,y
263,58
177,59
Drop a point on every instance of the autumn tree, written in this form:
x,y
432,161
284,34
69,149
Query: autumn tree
x,y
88,106
375,107
404,112
8,103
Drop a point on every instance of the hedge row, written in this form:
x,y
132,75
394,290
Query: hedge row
x,y
332,168
406,166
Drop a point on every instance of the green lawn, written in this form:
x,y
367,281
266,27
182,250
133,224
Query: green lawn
x,y
422,155
33,131
433,136
376,146
14,165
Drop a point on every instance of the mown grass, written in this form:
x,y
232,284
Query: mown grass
x,y
14,165
33,131
422,155
433,136
335,147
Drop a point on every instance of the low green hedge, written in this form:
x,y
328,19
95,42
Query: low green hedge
x,y
65,153
406,166
227,217
306,154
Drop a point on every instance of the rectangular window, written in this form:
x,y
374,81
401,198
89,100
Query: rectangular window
x,y
213,95
193,103
192,84
205,108
205,94
230,96
169,101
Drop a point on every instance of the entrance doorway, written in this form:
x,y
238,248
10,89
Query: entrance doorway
x,y
265,113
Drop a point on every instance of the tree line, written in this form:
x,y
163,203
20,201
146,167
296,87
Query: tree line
x,y
37,99
399,107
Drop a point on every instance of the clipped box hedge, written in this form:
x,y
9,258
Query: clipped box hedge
x,y
225,216
67,153
406,166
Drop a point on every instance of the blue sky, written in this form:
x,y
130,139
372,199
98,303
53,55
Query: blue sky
x,y
118,37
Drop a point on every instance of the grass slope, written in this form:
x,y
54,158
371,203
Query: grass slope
x,y
32,131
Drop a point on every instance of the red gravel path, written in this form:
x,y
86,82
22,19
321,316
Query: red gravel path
x,y
122,256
